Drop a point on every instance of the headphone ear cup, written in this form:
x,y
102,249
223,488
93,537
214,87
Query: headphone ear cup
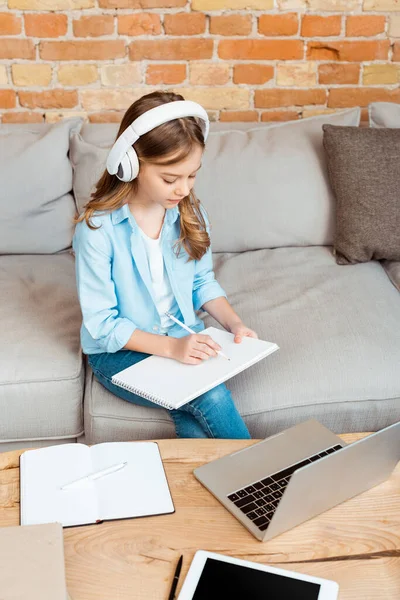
x,y
124,169
134,162
129,166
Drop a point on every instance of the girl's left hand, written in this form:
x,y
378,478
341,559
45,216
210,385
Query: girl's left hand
x,y
240,330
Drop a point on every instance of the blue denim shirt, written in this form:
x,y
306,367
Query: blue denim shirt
x,y
114,281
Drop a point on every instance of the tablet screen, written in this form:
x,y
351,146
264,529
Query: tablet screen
x,y
225,580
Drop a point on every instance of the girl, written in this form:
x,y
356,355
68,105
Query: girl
x,y
142,249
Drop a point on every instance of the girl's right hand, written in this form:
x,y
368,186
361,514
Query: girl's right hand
x,y
194,348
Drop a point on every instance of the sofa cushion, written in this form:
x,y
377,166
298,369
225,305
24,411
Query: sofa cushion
x,y
38,208
364,170
338,330
269,188
41,370
90,148
109,419
263,186
384,114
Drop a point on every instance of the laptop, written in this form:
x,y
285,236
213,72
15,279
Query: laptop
x,y
297,474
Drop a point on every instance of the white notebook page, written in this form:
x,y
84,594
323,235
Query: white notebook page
x,y
176,383
139,489
43,472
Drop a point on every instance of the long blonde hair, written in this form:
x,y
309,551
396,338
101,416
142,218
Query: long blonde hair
x,y
175,137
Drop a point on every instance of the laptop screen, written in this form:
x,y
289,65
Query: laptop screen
x,y
225,580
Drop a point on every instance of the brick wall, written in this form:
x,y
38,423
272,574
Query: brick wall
x,y
245,60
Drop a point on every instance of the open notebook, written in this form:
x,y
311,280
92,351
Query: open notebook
x,y
172,384
139,489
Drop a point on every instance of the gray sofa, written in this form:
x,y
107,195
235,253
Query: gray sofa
x,y
272,213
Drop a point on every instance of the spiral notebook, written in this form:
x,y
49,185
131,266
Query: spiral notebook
x,y
172,384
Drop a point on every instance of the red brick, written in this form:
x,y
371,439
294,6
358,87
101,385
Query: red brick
x,y
7,99
45,25
13,48
261,49
339,73
346,97
315,26
287,24
238,115
139,24
85,50
9,24
107,117
396,52
22,117
252,73
185,24
93,26
141,3
182,49
349,51
230,25
279,115
271,98
58,98
168,74
364,118
365,25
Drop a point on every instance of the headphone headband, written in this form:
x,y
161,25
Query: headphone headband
x,y
122,159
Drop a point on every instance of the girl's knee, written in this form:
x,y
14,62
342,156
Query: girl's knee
x,y
220,394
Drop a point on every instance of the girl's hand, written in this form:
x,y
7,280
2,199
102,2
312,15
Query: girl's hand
x,y
194,348
240,330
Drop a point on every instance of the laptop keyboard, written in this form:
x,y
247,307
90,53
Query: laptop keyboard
x,y
259,500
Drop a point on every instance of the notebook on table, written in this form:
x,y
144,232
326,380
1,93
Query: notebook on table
x,y
138,489
172,384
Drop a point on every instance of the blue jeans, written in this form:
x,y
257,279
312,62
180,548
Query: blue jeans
x,y
211,415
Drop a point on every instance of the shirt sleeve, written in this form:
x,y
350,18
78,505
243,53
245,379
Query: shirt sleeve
x,y
205,286
96,290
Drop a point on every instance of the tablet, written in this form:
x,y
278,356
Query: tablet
x,y
215,576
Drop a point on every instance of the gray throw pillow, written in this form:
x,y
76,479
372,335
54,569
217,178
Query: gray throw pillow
x,y
364,170
36,203
384,114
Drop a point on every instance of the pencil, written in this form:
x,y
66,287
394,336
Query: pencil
x,y
192,331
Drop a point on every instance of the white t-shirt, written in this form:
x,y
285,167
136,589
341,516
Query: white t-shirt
x,y
164,297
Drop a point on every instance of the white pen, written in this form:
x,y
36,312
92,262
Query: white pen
x,y
95,475
192,331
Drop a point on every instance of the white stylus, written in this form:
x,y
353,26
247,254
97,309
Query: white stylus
x,y
95,475
191,331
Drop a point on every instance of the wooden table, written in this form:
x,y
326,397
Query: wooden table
x,y
356,544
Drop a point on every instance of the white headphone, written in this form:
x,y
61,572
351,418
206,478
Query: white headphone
x,y
122,160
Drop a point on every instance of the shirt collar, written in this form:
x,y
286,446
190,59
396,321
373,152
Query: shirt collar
x,y
122,213
172,215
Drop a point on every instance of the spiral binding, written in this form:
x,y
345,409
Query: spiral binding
x,y
150,397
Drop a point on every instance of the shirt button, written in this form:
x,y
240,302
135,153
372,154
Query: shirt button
x,y
155,328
